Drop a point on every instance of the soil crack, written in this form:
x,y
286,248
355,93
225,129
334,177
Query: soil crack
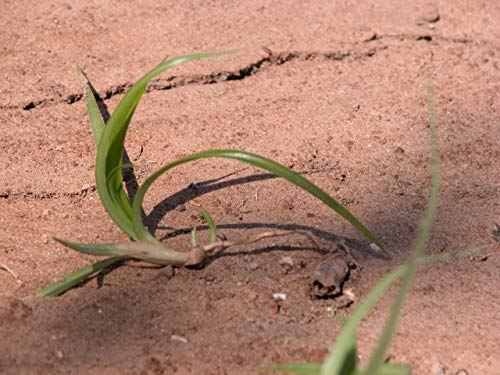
x,y
251,69
47,195
213,78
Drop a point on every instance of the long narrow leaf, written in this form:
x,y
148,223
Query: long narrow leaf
x,y
111,144
76,277
257,161
156,253
420,241
211,224
346,340
307,368
314,368
95,117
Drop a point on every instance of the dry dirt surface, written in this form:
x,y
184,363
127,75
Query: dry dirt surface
x,y
341,100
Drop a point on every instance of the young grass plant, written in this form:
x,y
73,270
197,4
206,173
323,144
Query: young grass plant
x,y
342,358
128,216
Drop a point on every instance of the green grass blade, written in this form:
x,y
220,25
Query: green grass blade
x,y
95,117
111,145
257,161
96,249
211,224
308,368
419,243
76,277
393,369
314,368
156,252
346,340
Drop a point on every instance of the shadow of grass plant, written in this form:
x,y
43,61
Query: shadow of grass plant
x,y
128,216
342,359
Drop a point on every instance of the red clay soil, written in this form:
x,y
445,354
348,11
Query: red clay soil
x,y
341,100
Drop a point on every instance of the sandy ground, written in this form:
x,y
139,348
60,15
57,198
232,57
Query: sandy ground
x,y
342,100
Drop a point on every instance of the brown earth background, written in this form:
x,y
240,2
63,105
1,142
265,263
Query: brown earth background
x,y
342,100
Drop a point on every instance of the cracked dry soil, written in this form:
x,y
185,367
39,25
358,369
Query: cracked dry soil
x,y
341,99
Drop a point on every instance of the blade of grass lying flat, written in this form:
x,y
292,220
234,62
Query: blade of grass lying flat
x,y
111,144
76,277
211,224
420,241
257,161
151,252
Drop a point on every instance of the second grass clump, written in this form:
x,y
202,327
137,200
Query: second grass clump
x,y
109,138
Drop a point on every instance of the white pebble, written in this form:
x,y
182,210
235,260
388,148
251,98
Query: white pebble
x,y
279,297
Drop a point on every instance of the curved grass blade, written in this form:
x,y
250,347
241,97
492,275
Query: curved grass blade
x,y
76,277
210,222
345,342
111,144
257,161
420,241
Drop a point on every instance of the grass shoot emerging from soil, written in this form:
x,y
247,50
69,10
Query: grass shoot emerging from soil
x,y
342,359
110,138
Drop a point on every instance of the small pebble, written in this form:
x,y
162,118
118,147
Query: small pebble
x,y
287,261
375,247
252,266
179,338
279,297
60,354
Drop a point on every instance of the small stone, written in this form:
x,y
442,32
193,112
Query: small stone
x,y
46,212
399,153
179,338
60,354
278,297
181,208
428,14
287,263
45,239
253,266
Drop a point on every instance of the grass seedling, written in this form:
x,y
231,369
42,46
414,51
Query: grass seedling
x,y
110,138
342,358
